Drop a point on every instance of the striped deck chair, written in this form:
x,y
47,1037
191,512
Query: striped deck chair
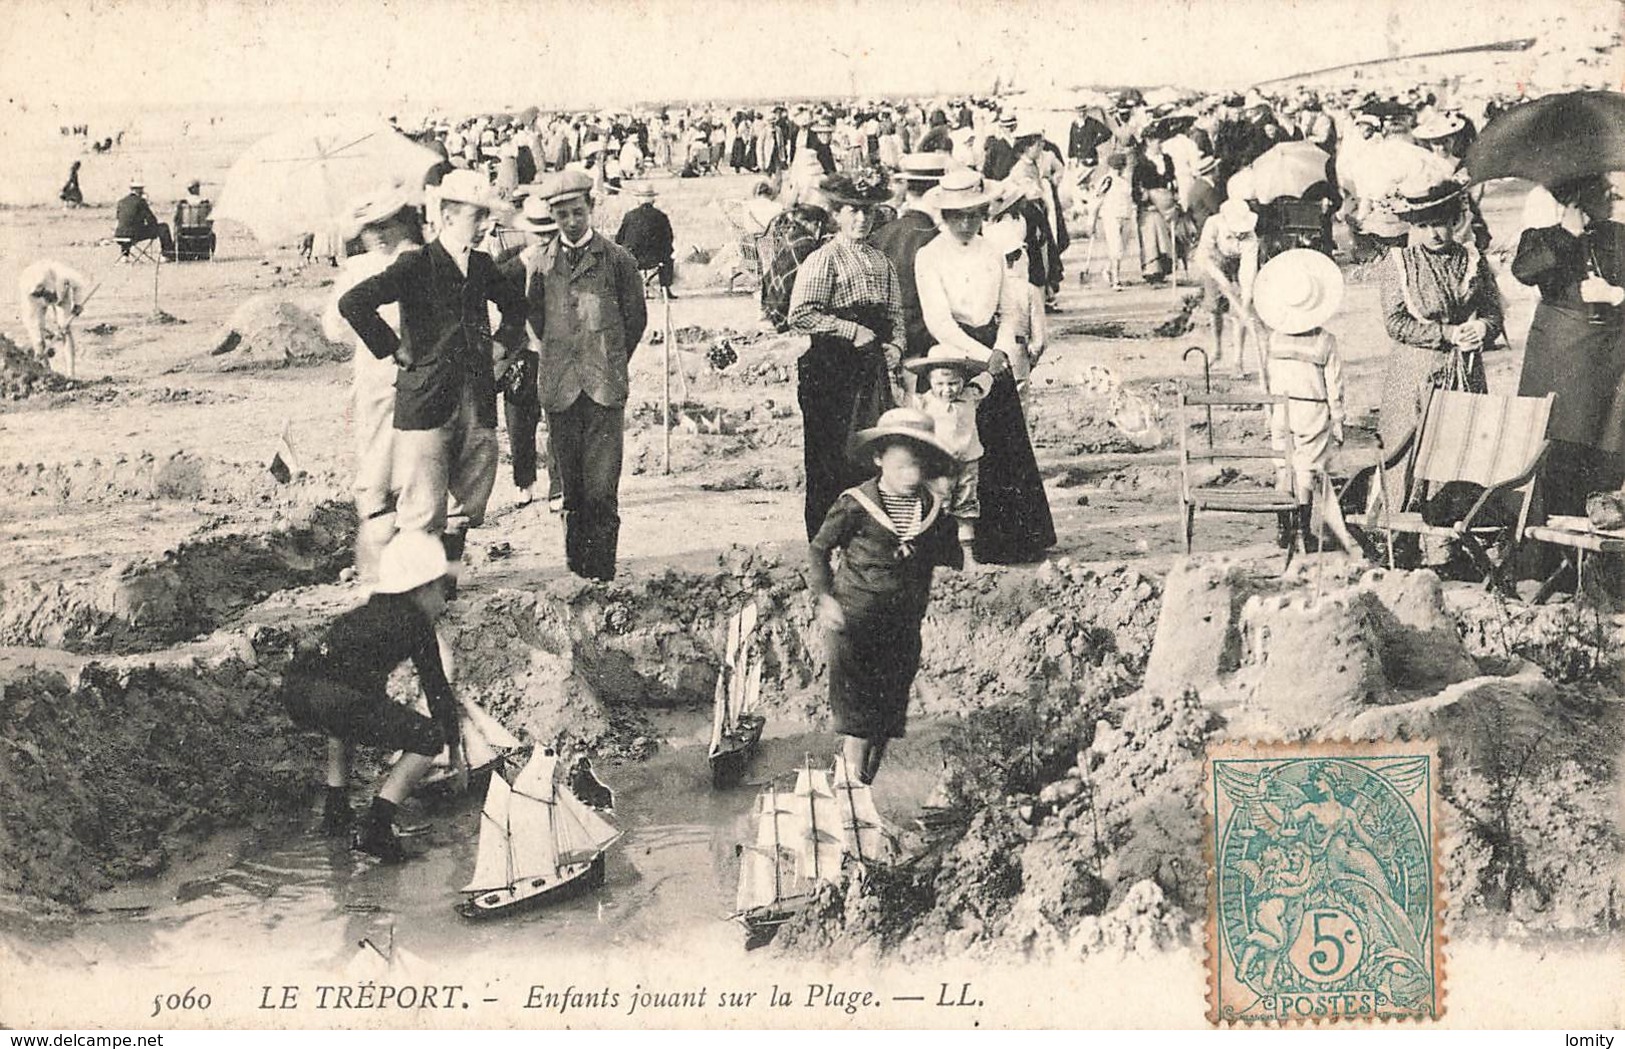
x,y
1484,439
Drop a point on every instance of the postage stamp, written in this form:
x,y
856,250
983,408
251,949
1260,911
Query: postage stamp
x,y
1324,899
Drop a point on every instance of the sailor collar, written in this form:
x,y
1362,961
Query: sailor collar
x,y
867,495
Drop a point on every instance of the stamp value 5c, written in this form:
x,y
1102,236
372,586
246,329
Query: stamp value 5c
x,y
1324,900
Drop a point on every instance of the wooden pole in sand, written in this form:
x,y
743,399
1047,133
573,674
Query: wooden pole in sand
x,y
665,393
155,310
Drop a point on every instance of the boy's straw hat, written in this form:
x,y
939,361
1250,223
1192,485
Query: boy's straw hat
x,y
410,560
382,203
906,424
1298,291
941,356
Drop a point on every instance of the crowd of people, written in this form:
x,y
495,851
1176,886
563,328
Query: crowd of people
x,y
918,249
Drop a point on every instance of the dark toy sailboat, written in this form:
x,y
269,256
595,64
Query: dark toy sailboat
x,y
736,727
804,836
539,843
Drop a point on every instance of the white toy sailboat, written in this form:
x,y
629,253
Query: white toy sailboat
x,y
539,843
736,727
803,838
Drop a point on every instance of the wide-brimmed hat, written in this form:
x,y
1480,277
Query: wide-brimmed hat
x,y
640,189
1238,215
860,189
1420,202
383,202
922,167
1298,291
409,561
564,186
468,187
942,356
138,185
1438,125
960,190
535,217
906,424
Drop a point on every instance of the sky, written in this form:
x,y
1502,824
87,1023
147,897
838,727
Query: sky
x,y
406,53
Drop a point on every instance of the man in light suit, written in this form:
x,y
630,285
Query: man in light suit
x,y
593,317
445,391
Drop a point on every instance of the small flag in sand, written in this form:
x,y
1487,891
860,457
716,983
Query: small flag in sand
x,y
284,464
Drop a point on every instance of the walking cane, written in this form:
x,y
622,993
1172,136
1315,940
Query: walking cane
x,y
665,393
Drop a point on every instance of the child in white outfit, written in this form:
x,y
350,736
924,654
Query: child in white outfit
x,y
958,385
1296,293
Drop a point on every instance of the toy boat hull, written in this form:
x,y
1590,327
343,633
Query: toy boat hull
x,y
529,893
732,756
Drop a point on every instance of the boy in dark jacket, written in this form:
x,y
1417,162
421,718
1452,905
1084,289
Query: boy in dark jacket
x,y
341,689
893,531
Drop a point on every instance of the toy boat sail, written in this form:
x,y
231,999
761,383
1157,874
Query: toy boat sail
x,y
804,836
539,843
736,727
485,742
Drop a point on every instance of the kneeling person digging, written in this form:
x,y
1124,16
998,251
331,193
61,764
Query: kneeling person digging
x,y
341,689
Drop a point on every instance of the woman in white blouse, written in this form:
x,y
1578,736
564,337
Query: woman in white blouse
x,y
974,303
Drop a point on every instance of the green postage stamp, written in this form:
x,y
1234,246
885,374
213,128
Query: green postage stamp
x,y
1324,903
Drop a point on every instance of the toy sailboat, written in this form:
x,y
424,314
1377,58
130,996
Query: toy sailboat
x,y
804,836
736,727
485,742
539,843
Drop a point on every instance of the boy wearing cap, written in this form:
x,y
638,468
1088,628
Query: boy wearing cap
x,y
341,689
958,385
387,225
445,390
893,532
593,318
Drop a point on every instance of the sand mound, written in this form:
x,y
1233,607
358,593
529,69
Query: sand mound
x,y
22,375
271,333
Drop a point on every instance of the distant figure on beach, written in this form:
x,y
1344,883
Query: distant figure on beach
x,y
71,194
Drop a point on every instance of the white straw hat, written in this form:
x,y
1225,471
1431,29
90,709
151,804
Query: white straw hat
x,y
1298,291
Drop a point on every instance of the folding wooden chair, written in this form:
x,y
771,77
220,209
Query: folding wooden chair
x,y
1485,439
1233,498
135,251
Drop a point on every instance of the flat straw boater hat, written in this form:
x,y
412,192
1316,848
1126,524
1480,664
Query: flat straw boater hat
x,y
641,190
940,356
1298,291
907,424
922,167
960,190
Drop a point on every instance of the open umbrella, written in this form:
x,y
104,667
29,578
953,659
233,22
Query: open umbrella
x,y
1286,170
1553,139
301,179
